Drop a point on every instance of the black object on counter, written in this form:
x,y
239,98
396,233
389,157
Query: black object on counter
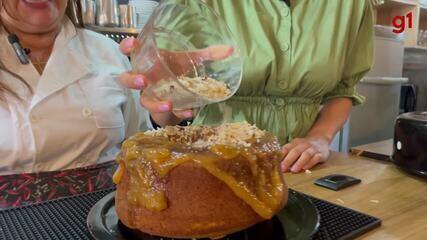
x,y
376,156
336,181
410,143
66,219
408,98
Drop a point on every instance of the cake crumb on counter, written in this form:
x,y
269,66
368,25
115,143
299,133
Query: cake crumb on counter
x,y
374,201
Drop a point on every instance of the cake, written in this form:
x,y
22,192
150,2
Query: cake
x,y
199,181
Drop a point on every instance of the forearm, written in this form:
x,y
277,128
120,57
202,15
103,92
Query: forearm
x,y
331,118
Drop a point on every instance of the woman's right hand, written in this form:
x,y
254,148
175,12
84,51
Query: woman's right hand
x,y
162,112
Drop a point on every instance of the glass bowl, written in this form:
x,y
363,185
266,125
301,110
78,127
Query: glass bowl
x,y
188,55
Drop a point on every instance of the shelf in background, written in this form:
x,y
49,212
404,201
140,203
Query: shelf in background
x,y
386,12
117,34
410,2
117,30
397,3
390,9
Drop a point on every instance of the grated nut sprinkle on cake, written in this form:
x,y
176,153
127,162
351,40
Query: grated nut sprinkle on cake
x,y
232,134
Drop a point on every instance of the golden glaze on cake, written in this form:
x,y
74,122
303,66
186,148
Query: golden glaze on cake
x,y
199,181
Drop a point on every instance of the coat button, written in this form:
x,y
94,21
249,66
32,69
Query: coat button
x,y
284,47
87,112
285,12
38,167
33,118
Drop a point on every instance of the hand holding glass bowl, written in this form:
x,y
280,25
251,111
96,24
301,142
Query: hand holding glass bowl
x,y
186,56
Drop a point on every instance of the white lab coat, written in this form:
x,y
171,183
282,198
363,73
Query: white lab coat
x,y
78,113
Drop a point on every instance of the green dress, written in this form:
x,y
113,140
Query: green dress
x,y
295,59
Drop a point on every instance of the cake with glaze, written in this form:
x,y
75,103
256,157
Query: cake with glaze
x,y
199,181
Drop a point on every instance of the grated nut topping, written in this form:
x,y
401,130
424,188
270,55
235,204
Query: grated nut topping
x,y
205,86
240,134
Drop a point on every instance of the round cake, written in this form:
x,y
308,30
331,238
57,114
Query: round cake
x,y
199,181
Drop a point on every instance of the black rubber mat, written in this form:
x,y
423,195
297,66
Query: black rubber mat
x,y
66,219
118,37
337,222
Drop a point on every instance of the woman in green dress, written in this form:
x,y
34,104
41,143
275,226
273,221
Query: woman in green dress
x,y
302,60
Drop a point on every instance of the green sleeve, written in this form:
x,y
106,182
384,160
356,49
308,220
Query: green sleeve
x,y
186,26
359,59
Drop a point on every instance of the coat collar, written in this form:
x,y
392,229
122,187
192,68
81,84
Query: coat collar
x,y
66,65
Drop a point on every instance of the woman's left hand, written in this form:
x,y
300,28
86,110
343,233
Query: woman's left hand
x,y
304,153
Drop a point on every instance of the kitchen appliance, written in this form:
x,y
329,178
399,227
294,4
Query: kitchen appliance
x,y
410,143
408,98
415,68
127,16
143,10
74,12
88,12
107,13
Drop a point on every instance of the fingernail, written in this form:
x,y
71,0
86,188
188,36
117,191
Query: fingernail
x,y
294,169
164,107
285,168
188,114
230,50
139,82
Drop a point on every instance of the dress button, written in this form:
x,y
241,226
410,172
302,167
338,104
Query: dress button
x,y
33,118
280,102
284,47
87,112
282,84
285,12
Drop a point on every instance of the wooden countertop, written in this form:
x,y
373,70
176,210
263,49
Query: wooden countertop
x,y
383,147
386,192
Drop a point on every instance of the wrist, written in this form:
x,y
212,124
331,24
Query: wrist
x,y
323,136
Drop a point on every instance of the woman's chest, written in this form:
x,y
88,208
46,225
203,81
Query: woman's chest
x,y
83,117
285,48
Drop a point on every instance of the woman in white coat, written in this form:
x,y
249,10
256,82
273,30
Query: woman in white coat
x,y
65,108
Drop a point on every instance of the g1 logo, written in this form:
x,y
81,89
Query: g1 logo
x,y
399,22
